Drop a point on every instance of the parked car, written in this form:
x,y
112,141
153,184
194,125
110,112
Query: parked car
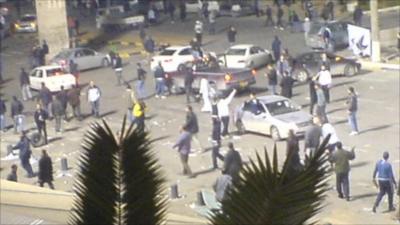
x,y
172,58
272,115
27,23
306,65
222,79
236,8
193,6
53,76
245,56
85,58
339,35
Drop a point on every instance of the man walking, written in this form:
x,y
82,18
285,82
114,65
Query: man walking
x,y
188,82
357,16
40,118
94,95
232,163
46,98
24,82
3,110
159,76
287,85
279,16
139,109
16,113
216,142
276,48
192,125
223,112
352,107
341,159
321,104
198,29
386,181
183,145
45,173
182,10
282,65
272,78
231,34
25,154
312,137
62,96
74,101
58,112
269,20
141,77
313,94
118,69
324,78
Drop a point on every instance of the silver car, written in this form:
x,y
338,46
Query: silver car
x,y
85,58
272,115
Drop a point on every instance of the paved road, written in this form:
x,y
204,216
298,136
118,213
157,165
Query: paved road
x,y
378,119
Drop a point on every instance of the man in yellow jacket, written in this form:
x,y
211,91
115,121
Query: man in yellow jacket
x,y
139,108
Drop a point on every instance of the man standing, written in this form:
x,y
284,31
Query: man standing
x,y
45,51
231,34
45,173
182,10
171,11
183,145
3,110
12,176
279,16
73,69
313,94
118,69
25,154
45,98
212,18
292,152
352,107
282,65
287,85
94,95
24,82
269,21
357,16
16,113
341,159
276,48
321,104
62,96
139,109
223,111
159,75
198,29
312,137
40,117
58,112
232,163
216,142
324,62
386,181
188,82
192,125
306,27
75,102
272,78
328,129
141,77
325,80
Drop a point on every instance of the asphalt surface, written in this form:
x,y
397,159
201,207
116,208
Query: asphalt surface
x,y
378,119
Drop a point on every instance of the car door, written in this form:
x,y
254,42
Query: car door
x,y
183,56
252,59
262,57
80,59
311,62
252,116
91,58
36,78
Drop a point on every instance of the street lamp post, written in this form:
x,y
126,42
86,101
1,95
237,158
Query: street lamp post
x,y
376,47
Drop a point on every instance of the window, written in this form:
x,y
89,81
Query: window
x,y
281,107
185,51
88,52
253,107
54,72
236,51
78,53
38,73
253,51
168,52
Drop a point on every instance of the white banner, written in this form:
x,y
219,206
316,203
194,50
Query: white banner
x,y
359,40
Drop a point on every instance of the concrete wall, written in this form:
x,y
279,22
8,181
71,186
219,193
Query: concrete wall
x,y
52,23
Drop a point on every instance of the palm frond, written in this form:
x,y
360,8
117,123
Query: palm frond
x,y
96,190
266,195
142,180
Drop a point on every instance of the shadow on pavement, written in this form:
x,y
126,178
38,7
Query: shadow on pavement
x,y
203,172
108,113
367,195
54,139
339,122
336,110
344,83
375,128
72,129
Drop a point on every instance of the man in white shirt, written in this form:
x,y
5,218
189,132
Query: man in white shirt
x,y
223,111
198,29
325,80
94,98
327,129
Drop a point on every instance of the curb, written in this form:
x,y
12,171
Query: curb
x,y
124,43
379,66
126,55
384,9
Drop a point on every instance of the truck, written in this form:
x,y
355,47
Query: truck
x,y
115,17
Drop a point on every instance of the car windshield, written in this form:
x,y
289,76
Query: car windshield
x,y
168,52
236,51
63,55
315,28
281,107
54,72
28,18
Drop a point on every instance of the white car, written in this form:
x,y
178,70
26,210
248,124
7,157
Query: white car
x,y
172,57
272,115
53,77
193,6
245,56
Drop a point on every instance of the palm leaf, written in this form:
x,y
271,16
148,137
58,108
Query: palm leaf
x,y
142,180
95,189
266,195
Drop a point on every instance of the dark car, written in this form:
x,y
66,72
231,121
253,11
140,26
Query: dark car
x,y
339,38
307,64
236,8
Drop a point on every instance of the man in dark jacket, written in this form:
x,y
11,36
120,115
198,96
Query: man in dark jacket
x,y
45,173
159,76
279,16
313,95
184,146
272,78
45,98
118,69
192,125
276,48
231,35
74,101
188,81
58,112
16,113
312,137
287,85
63,97
3,110
292,152
25,154
269,20
24,83
216,142
357,16
40,117
232,163
352,107
182,10
341,159
141,77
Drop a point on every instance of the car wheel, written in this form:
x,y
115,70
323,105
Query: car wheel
x,y
275,134
350,70
301,75
105,63
181,67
